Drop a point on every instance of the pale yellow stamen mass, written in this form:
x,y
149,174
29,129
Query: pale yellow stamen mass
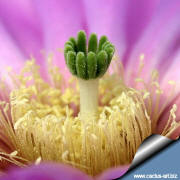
x,y
41,120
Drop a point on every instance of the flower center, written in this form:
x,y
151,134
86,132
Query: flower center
x,y
46,125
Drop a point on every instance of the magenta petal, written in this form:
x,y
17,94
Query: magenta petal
x,y
106,17
21,22
172,73
176,133
138,15
113,173
10,54
47,171
160,40
60,20
123,21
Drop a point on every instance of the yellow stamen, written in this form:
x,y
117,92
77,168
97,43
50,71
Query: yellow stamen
x,y
41,119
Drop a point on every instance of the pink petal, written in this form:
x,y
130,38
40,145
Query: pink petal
x,y
159,41
60,20
22,24
113,173
122,21
10,54
176,134
46,171
172,74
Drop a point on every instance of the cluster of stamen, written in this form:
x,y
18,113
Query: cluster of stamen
x,y
40,121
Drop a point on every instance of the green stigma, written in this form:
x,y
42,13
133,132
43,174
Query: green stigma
x,y
88,62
